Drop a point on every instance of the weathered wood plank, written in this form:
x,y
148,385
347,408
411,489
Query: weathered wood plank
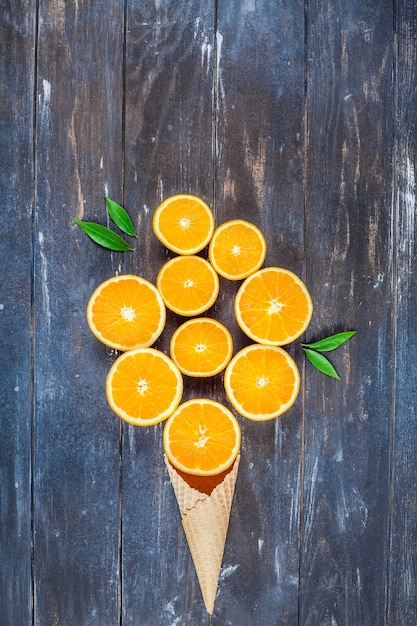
x,y
259,177
220,114
76,438
169,99
349,265
17,45
403,553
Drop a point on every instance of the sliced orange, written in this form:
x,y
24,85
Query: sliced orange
x,y
188,285
201,347
144,386
237,249
262,382
202,437
126,312
183,223
273,306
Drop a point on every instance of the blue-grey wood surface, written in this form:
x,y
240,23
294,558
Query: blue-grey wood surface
x,y
301,117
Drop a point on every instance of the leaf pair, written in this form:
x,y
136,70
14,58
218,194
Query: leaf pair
x,y
321,363
104,236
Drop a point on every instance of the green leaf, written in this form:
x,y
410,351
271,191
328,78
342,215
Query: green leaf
x,y
120,217
330,343
321,363
104,236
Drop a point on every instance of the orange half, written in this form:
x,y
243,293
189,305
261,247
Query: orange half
x,y
201,347
126,312
202,437
183,223
262,382
144,387
273,306
237,249
188,285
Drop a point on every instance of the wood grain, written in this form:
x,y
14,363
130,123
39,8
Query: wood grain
x,y
76,437
17,45
349,270
169,138
259,177
403,551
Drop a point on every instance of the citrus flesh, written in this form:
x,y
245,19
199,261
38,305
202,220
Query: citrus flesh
x,y
237,249
262,382
183,223
273,306
144,386
201,347
126,312
188,285
202,437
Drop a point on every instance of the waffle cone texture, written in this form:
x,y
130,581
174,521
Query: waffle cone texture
x,y
205,519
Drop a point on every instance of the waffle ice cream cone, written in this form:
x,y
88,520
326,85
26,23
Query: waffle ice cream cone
x,y
205,519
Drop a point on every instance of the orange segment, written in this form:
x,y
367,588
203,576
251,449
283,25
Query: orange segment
x,y
201,347
202,437
144,386
126,312
237,249
273,306
188,285
183,223
262,382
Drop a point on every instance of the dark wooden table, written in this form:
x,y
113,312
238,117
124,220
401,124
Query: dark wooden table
x,y
301,117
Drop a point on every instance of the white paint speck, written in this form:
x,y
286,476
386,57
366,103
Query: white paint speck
x,y
227,571
44,280
1,307
169,607
379,280
407,219
248,6
17,388
277,564
218,88
101,163
260,546
219,43
161,188
310,497
206,53
338,456
46,92
44,99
